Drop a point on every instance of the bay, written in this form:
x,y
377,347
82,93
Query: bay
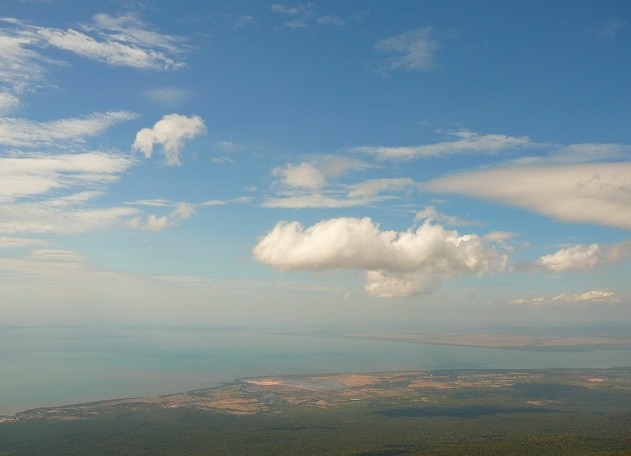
x,y
49,366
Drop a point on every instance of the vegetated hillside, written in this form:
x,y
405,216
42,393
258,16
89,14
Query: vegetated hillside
x,y
526,412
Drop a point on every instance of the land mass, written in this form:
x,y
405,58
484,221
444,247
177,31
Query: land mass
x,y
564,411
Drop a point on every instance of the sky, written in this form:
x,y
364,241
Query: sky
x,y
315,164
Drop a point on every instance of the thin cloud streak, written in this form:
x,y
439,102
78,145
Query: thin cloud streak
x,y
115,41
467,142
564,299
118,41
575,154
38,174
360,194
182,211
21,133
314,201
46,217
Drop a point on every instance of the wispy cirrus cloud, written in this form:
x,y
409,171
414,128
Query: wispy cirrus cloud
x,y
397,264
574,154
23,68
308,185
372,187
118,41
611,28
45,216
8,103
466,142
320,200
300,15
53,193
168,96
177,212
243,22
18,242
469,142
22,133
413,50
330,20
303,16
130,29
31,175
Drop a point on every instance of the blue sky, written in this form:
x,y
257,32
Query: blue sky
x,y
310,164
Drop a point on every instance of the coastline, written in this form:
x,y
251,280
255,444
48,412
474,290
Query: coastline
x,y
251,395
51,366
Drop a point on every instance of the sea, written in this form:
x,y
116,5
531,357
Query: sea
x,y
52,366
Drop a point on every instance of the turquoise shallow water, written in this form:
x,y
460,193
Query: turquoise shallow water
x,y
54,366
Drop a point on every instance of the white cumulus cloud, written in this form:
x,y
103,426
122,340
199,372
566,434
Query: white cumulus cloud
x,y
581,258
170,132
396,263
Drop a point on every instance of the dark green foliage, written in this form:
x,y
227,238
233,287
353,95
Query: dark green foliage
x,y
552,417
459,412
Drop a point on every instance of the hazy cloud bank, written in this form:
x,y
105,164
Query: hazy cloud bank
x,y
587,297
598,193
